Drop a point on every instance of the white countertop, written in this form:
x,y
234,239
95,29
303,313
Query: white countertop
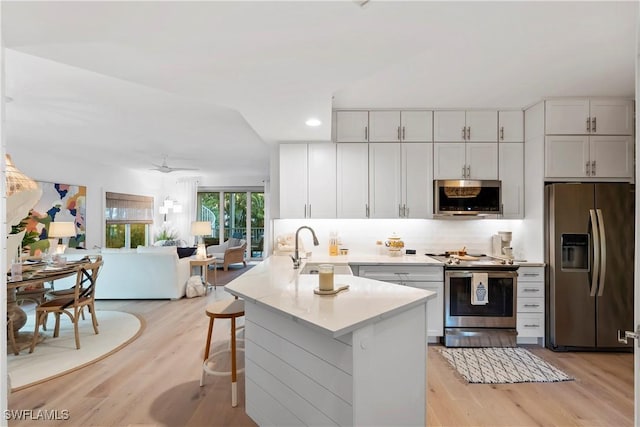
x,y
275,284
386,259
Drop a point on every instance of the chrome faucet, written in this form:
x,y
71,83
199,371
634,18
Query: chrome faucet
x,y
296,255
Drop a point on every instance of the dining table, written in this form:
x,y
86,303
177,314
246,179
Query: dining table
x,y
34,274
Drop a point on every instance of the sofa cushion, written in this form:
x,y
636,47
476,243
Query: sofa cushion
x,y
156,250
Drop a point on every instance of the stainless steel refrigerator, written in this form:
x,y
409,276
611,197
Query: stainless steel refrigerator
x,y
589,252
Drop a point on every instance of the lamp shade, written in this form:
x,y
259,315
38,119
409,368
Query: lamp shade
x,y
62,229
201,228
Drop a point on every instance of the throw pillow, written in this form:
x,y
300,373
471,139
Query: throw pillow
x,y
233,242
185,252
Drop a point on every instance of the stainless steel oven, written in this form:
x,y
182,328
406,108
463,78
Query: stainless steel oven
x,y
492,324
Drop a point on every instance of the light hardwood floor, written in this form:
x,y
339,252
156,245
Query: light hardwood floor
x,y
154,381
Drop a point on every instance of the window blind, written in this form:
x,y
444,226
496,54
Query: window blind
x,y
123,208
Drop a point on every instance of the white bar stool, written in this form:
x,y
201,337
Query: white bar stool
x,y
227,309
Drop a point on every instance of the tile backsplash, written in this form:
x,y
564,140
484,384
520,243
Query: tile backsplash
x,y
423,235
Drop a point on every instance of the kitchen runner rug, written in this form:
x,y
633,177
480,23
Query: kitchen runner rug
x,y
501,365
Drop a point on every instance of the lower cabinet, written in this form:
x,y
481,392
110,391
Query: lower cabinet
x,y
430,278
530,311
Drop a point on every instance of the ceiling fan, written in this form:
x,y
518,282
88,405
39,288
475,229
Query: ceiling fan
x,y
164,168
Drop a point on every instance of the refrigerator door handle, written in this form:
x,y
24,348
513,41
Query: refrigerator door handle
x,y
603,252
596,252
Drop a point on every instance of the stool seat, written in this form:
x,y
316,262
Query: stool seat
x,y
226,309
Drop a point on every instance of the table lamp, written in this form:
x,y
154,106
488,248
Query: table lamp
x,y
199,229
59,230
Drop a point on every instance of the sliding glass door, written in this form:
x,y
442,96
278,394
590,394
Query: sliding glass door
x,y
234,213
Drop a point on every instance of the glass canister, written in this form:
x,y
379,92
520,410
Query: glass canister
x,y
325,275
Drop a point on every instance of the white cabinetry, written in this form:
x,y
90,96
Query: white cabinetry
x,y
400,177
425,277
585,156
465,126
511,174
589,139
595,116
459,160
352,180
417,180
530,311
352,126
406,126
308,180
384,180
511,126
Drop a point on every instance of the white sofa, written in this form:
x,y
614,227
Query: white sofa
x,y
145,273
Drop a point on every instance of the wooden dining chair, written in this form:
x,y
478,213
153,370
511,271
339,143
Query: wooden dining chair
x,y
65,293
11,334
72,305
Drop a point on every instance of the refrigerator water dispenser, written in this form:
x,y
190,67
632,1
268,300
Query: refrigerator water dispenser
x,y
575,252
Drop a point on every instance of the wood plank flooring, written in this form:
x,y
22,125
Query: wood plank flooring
x,y
154,381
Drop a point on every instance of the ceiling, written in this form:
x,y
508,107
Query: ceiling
x,y
212,84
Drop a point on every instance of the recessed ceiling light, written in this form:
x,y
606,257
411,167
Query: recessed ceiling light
x,y
313,122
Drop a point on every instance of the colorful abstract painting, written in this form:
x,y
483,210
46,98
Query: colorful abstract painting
x,y
59,202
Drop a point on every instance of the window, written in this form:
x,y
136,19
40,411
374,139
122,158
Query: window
x,y
127,218
232,216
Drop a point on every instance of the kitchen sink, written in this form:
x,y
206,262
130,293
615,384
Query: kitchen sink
x,y
312,268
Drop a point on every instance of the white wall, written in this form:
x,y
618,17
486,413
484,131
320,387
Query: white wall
x,y
81,170
424,235
534,180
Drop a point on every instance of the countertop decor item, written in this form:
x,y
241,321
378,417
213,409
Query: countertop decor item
x,y
395,245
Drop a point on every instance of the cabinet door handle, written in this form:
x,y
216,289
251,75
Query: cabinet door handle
x,y
366,209
468,133
593,124
531,274
588,165
588,124
398,133
366,133
406,211
531,305
309,210
593,167
400,210
531,326
464,171
468,171
530,290
502,133
403,133
464,132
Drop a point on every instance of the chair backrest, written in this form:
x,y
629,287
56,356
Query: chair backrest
x,y
86,280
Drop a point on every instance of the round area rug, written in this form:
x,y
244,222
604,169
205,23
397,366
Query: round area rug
x,y
58,356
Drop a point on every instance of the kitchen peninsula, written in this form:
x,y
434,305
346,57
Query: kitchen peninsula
x,y
355,358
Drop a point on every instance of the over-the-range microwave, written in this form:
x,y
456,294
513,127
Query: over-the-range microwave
x,y
467,197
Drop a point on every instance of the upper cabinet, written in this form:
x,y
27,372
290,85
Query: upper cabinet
x,y
308,180
511,126
589,139
588,157
465,126
589,116
352,126
478,160
352,180
384,126
400,180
